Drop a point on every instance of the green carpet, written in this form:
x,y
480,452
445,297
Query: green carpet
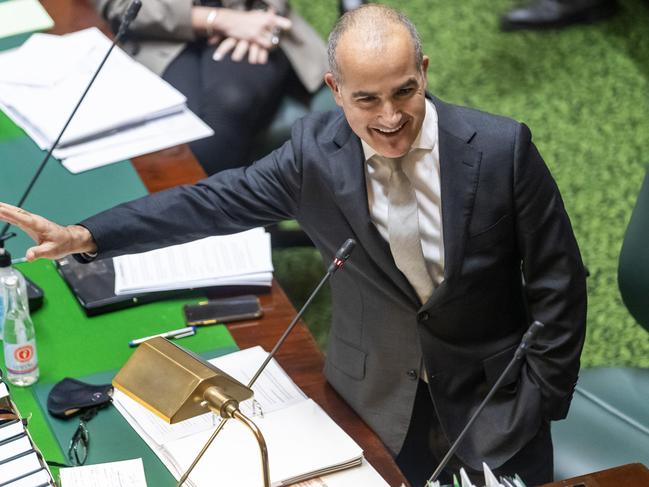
x,y
584,93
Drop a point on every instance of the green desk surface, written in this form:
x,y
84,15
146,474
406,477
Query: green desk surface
x,y
69,344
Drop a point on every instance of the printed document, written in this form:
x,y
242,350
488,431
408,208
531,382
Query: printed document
x,y
128,473
241,258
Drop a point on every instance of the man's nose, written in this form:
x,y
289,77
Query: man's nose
x,y
390,115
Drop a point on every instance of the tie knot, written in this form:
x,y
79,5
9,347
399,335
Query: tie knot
x,y
394,163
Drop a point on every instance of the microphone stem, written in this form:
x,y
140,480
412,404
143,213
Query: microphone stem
x,y
455,445
290,327
272,353
56,142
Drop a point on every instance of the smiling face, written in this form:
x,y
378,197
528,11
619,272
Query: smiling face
x,y
381,89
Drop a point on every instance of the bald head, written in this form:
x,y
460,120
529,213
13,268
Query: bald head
x,y
371,29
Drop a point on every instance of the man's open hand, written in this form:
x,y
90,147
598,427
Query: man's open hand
x,y
52,241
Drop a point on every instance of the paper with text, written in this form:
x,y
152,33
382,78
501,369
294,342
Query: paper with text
x,y
274,390
239,258
128,473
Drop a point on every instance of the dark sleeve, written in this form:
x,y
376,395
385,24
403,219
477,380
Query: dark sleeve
x,y
555,282
227,202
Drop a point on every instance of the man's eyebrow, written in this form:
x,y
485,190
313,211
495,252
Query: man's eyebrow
x,y
362,94
408,84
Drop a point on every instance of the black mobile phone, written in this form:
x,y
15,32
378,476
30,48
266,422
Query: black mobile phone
x,y
223,310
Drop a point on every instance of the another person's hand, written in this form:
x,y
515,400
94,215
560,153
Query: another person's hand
x,y
256,53
254,26
52,241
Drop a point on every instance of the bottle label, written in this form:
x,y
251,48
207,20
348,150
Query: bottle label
x,y
21,359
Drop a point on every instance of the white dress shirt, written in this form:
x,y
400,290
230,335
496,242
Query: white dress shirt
x,y
421,165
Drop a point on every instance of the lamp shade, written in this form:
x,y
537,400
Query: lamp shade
x,y
171,381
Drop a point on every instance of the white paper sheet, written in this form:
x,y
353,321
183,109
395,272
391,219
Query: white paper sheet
x,y
241,257
18,16
124,91
127,473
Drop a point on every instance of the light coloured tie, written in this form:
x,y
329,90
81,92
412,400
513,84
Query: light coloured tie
x,y
403,231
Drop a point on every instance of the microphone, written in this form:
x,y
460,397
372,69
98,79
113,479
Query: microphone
x,y
338,261
342,255
522,349
129,15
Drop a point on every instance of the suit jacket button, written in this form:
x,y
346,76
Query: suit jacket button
x,y
412,374
424,316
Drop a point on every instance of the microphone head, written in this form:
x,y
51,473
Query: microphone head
x,y
346,249
132,11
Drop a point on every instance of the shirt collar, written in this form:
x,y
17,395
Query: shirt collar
x,y
426,139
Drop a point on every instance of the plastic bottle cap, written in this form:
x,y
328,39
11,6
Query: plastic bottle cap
x,y
10,281
5,258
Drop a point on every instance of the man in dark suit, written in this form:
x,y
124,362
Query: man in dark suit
x,y
422,326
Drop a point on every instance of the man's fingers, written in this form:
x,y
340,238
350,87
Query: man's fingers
x,y
224,48
13,214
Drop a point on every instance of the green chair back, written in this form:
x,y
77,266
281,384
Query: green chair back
x,y
633,270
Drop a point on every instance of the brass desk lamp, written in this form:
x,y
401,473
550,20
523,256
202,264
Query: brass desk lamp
x,y
176,384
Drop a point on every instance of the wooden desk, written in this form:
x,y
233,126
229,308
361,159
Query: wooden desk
x,y
300,356
631,475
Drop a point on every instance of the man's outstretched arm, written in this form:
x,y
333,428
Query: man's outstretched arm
x,y
53,241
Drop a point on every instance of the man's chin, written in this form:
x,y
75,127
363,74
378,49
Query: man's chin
x,y
393,152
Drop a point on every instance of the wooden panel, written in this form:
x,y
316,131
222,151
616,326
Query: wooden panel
x,y
631,475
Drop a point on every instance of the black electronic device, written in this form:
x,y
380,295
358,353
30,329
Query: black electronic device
x,y
223,310
34,295
93,285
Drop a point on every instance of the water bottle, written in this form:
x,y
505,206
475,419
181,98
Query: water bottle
x,y
21,359
5,271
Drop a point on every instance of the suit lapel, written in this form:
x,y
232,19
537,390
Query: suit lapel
x,y
347,178
459,172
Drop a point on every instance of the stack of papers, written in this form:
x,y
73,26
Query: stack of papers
x,y
303,442
128,111
240,259
20,464
18,16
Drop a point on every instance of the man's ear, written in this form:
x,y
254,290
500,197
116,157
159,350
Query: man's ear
x,y
333,85
424,70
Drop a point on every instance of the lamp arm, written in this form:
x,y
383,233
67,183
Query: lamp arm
x,y
263,450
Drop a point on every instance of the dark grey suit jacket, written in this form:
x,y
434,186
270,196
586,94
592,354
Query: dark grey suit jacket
x,y
503,218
